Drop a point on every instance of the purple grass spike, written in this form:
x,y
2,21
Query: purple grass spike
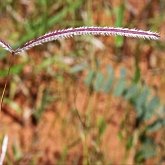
x,y
66,33
6,46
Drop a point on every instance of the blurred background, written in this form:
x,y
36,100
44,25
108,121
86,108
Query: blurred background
x,y
85,100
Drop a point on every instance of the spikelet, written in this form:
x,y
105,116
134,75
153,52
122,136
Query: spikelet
x,y
66,33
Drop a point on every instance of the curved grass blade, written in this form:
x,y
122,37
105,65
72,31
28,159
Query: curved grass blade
x,y
7,80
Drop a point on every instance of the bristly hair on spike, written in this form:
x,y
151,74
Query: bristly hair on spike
x,y
6,46
66,33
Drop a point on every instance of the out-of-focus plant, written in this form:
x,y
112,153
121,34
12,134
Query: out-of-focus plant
x,y
149,110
